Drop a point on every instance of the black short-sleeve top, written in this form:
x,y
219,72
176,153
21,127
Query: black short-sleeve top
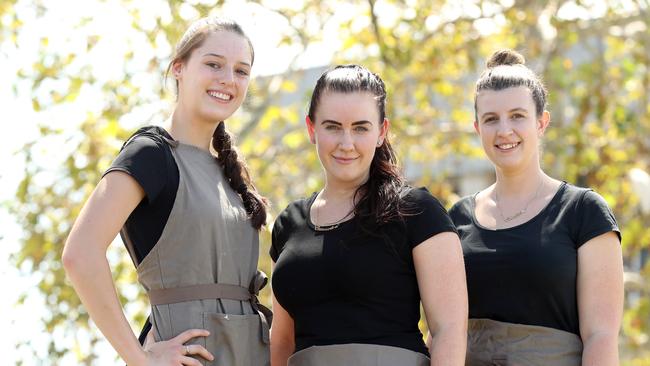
x,y
147,158
344,286
527,274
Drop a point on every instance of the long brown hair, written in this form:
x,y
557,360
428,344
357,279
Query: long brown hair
x,y
234,168
379,200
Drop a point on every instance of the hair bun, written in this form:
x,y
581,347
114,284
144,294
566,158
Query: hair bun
x,y
505,57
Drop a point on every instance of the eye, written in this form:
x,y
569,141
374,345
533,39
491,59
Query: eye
x,y
518,116
332,127
489,120
214,65
243,72
360,128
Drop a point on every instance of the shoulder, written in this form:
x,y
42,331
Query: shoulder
x,y
146,156
288,221
588,212
420,197
580,198
425,216
462,207
147,140
293,215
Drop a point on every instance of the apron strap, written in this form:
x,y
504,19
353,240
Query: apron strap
x,y
219,291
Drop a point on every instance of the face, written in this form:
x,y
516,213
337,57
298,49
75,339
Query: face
x,y
213,82
347,130
509,127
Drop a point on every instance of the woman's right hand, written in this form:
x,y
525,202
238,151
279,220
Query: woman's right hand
x,y
174,351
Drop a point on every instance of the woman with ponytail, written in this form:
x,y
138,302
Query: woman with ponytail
x,y
542,256
353,261
189,215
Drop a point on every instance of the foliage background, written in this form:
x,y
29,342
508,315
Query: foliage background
x,y
594,57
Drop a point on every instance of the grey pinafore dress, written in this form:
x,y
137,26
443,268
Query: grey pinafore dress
x,y
492,342
202,271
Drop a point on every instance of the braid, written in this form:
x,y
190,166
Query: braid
x,y
237,175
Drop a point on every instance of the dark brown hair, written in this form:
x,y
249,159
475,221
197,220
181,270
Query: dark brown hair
x,y
379,197
506,69
234,168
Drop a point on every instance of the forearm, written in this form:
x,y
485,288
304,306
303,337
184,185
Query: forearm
x,y
448,346
92,280
600,349
281,351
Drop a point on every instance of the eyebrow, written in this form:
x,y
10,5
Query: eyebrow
x,y
357,123
510,111
223,57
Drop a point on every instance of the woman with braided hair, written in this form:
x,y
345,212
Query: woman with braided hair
x,y
189,218
354,261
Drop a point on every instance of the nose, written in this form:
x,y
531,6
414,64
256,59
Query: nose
x,y
504,128
346,142
227,76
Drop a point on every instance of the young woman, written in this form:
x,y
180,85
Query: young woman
x,y
190,220
353,260
543,257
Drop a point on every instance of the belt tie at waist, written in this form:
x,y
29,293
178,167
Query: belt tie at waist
x,y
220,291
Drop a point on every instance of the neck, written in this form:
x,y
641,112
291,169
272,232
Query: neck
x,y
188,130
519,184
337,194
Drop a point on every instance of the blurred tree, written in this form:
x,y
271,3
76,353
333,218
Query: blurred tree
x,y
595,60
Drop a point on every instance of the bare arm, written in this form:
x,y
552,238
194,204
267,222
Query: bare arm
x,y
282,335
441,278
600,298
84,259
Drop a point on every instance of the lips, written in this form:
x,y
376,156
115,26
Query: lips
x,y
507,146
342,160
225,97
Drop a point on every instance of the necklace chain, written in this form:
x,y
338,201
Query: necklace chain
x,y
520,212
329,226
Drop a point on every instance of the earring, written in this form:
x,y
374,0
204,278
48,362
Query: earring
x,y
378,143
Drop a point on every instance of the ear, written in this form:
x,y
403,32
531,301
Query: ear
x,y
177,69
310,130
543,122
476,128
383,131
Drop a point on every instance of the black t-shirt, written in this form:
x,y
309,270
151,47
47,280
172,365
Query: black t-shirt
x,y
342,286
527,274
147,157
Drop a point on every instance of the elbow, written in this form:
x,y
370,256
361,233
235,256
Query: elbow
x,y
69,259
75,258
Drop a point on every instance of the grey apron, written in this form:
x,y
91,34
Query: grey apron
x,y
491,342
357,354
202,271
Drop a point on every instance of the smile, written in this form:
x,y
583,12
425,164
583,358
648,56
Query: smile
x,y
220,95
506,147
344,160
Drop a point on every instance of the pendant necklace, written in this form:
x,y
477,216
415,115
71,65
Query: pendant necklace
x,y
330,226
520,212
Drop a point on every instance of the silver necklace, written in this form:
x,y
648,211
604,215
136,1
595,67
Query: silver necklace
x,y
520,212
330,226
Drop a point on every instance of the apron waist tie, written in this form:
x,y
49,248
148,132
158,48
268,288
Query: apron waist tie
x,y
220,291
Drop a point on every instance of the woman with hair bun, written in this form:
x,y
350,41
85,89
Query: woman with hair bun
x,y
188,218
543,257
353,261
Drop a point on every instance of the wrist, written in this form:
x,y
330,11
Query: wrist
x,y
139,358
